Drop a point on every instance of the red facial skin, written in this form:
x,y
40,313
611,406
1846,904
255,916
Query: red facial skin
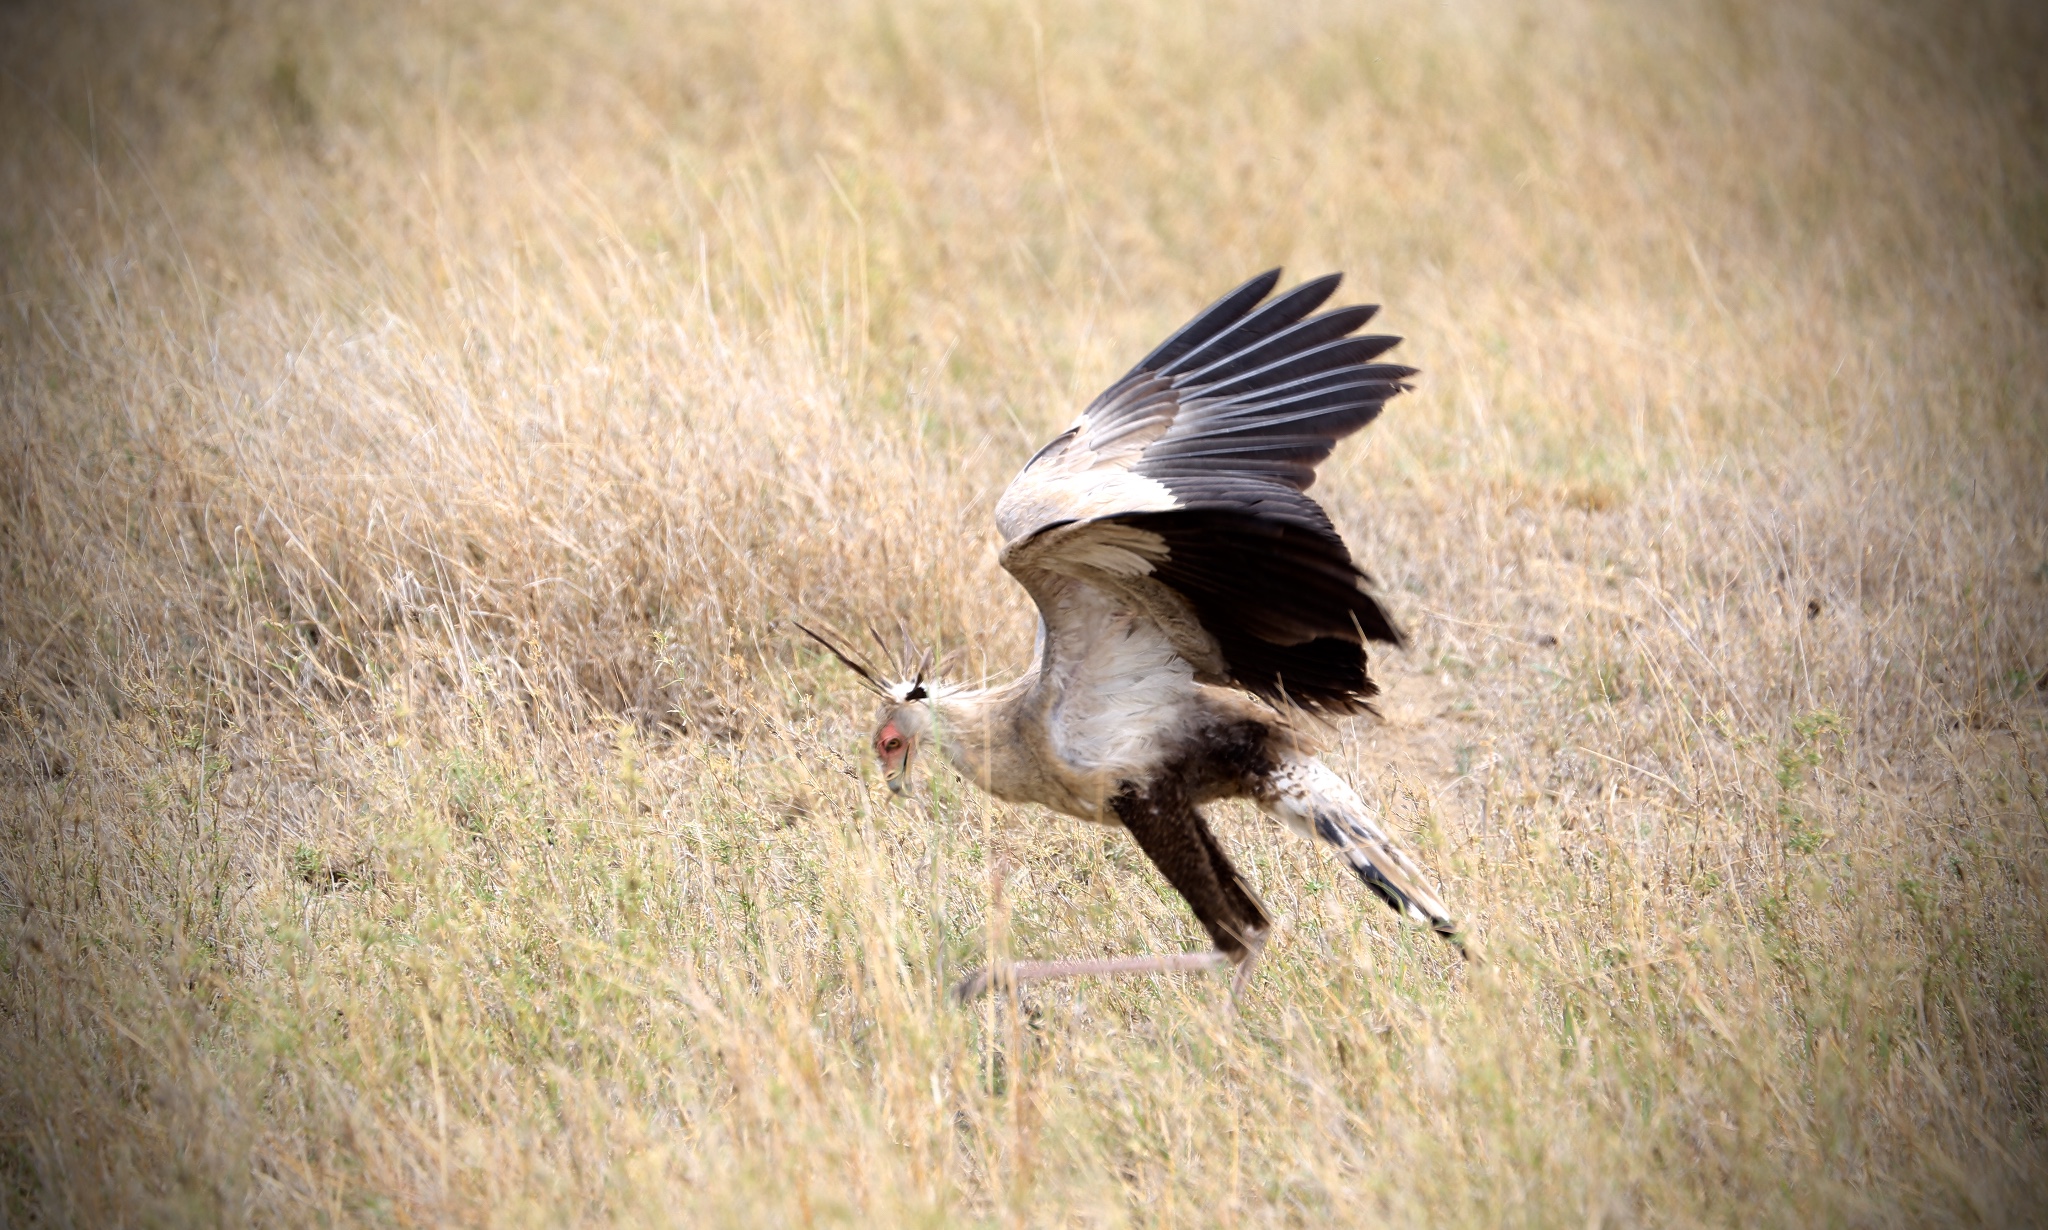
x,y
894,751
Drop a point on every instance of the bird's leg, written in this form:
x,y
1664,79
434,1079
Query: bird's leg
x,y
1017,973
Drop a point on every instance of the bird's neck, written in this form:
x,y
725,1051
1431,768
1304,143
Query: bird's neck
x,y
979,734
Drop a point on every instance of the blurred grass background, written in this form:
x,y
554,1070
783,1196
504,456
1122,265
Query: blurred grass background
x,y
420,420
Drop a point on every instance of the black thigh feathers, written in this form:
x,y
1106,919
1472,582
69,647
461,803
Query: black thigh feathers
x,y
1173,834
1164,818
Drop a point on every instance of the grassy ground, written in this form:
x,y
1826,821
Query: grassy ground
x,y
419,422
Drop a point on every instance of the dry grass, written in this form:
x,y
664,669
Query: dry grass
x,y
420,419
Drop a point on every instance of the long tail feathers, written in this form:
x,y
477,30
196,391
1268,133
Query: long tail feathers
x,y
1313,801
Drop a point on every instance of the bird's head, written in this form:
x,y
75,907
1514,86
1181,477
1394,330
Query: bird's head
x,y
906,717
905,721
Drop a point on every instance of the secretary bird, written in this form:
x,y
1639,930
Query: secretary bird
x,y
1193,603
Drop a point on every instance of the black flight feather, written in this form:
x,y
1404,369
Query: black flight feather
x,y
1261,324
1208,322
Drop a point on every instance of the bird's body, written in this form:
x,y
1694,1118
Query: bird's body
x,y
1148,757
1193,602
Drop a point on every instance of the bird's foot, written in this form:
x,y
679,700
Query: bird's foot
x,y
1017,973
1254,948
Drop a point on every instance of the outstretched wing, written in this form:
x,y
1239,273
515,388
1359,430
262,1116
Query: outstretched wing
x,y
1183,490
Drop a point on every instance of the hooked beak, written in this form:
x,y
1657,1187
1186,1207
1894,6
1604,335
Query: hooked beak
x,y
896,772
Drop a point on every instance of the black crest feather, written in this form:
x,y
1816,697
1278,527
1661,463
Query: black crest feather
x,y
865,672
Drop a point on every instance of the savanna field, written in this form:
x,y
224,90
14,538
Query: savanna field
x,y
420,423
